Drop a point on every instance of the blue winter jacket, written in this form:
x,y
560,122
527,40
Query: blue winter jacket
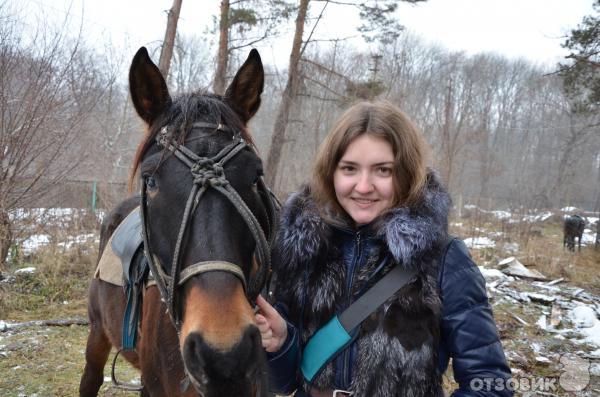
x,y
468,336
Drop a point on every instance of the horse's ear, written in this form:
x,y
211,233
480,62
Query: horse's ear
x,y
243,94
149,92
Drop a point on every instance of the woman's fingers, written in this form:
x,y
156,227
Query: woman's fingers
x,y
265,308
272,327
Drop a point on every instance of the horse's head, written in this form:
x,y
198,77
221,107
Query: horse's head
x,y
206,212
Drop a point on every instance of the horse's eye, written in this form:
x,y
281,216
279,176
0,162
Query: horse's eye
x,y
150,183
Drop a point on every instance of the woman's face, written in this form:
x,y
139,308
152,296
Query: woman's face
x,y
363,180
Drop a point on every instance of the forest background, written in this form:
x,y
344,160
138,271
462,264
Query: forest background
x,y
504,133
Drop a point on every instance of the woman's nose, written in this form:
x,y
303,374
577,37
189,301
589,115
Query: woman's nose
x,y
364,184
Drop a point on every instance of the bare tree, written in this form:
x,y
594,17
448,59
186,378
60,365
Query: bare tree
x,y
45,98
289,92
167,48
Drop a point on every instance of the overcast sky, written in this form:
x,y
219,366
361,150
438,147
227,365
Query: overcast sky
x,y
533,29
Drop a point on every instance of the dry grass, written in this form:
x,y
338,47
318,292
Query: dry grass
x,y
49,361
540,247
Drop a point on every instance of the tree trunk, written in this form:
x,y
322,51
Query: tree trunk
x,y
167,48
287,97
5,238
223,55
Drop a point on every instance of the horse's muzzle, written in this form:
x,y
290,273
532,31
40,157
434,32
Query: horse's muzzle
x,y
233,372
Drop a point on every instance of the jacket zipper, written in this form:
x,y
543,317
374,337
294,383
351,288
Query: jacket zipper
x,y
347,354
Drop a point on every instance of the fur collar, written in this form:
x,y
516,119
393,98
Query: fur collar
x,y
408,232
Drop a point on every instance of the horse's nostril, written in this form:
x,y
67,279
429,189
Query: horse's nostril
x,y
201,358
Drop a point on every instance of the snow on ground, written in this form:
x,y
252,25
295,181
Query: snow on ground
x,y
502,214
34,242
26,270
492,274
584,318
538,217
588,237
80,239
479,242
569,209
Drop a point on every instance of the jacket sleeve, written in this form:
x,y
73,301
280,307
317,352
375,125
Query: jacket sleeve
x,y
469,334
283,364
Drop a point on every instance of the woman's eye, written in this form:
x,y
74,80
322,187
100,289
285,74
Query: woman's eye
x,y
150,183
386,171
347,168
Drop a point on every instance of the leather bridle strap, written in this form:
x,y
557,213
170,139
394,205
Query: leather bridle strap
x,y
207,173
211,266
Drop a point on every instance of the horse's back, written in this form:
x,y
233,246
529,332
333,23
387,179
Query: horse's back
x,y
574,225
114,219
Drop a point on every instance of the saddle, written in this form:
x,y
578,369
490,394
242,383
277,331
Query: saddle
x,y
116,266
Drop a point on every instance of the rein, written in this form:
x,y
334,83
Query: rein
x,y
208,173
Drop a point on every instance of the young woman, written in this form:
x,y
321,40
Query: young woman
x,y
373,205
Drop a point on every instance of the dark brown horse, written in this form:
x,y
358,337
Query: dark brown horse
x,y
573,228
202,201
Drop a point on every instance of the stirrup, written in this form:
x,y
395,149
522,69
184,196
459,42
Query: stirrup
x,y
122,385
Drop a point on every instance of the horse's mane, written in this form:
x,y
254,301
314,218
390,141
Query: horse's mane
x,y
183,111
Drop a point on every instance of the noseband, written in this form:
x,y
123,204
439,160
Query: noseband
x,y
207,173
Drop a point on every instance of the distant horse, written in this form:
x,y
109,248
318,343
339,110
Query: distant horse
x,y
572,228
206,216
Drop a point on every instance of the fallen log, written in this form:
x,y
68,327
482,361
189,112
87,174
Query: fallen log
x,y
61,322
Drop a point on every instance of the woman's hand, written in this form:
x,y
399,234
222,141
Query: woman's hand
x,y
272,327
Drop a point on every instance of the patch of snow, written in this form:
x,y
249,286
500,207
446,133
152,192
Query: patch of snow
x,y
479,242
506,261
80,239
568,209
595,353
584,318
588,237
34,242
542,322
538,217
3,326
543,360
535,297
491,274
502,214
26,270
470,206
592,334
512,248
456,224
592,219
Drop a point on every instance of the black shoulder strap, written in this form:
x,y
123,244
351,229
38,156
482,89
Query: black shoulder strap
x,y
387,286
384,289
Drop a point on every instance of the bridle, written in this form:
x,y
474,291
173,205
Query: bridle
x,y
207,173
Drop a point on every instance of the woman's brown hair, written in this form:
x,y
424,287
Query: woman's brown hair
x,y
379,119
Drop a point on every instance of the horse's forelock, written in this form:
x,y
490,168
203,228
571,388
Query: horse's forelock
x,y
186,109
